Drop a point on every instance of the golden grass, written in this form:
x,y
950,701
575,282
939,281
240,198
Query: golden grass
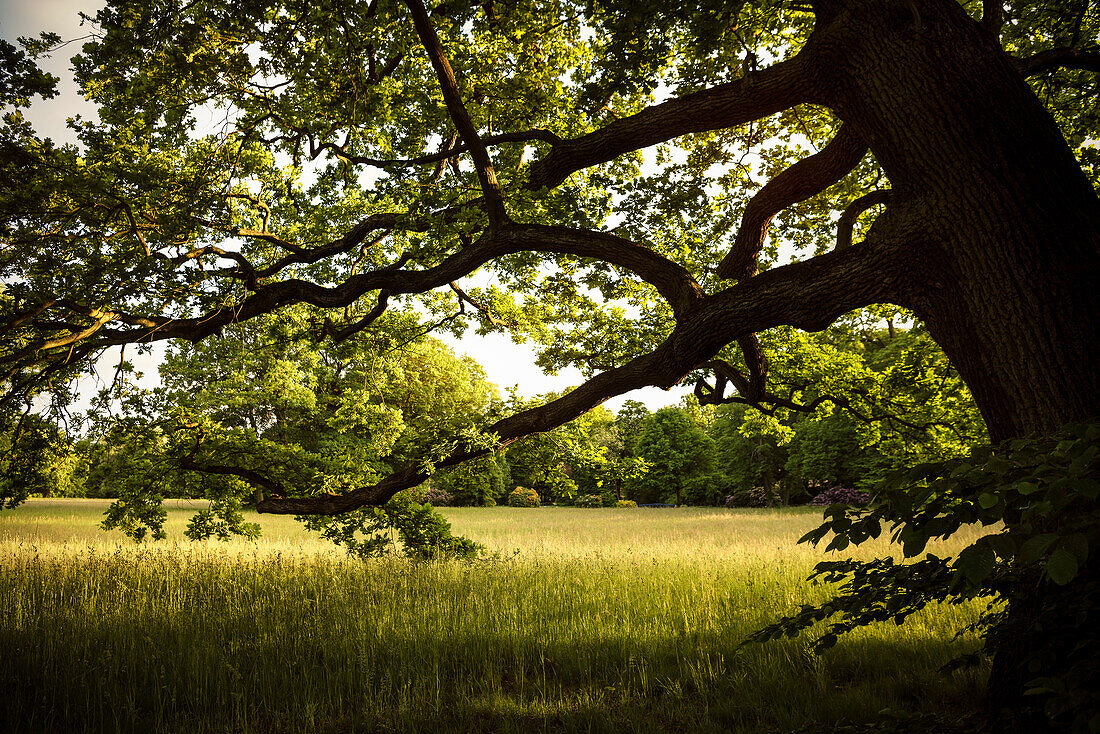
x,y
591,620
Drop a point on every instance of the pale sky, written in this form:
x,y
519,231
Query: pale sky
x,y
506,364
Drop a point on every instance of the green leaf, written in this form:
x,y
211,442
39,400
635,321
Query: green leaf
x,y
1003,545
987,500
1089,488
1061,567
913,545
1034,548
976,563
1026,488
1078,545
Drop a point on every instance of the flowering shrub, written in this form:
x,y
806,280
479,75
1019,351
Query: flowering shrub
x,y
589,500
436,497
626,503
523,497
841,496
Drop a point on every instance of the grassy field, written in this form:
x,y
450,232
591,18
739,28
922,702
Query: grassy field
x,y
591,620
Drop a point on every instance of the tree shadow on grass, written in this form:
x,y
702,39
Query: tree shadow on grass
x,y
155,677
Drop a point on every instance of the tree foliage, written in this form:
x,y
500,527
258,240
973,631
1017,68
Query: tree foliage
x,y
510,166
266,408
676,450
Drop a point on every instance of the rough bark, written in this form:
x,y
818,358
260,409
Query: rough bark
x,y
1008,289
971,151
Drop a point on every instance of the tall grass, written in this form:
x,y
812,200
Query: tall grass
x,y
590,620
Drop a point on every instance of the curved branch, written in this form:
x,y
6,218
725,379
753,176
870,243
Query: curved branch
x,y
254,478
671,280
756,361
525,136
244,270
482,308
22,317
1058,58
808,294
753,96
349,241
342,334
769,403
851,213
804,179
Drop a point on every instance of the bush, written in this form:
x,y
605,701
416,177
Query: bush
x,y
489,502
589,500
841,496
436,497
626,503
523,497
755,497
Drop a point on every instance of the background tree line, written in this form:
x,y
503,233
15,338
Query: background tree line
x,y
347,411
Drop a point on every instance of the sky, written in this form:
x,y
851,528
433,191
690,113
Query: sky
x,y
507,364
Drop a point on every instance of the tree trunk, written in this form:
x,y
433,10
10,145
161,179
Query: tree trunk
x,y
1006,230
1009,227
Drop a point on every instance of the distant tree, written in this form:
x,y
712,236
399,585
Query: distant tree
x,y
749,454
36,458
676,450
267,404
826,453
583,456
477,482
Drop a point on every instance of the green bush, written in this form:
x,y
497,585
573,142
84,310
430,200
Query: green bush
x,y
589,500
489,502
626,503
523,497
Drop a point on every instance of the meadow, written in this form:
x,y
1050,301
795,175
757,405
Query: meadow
x,y
587,620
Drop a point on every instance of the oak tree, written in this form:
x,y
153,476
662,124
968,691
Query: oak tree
x,y
934,155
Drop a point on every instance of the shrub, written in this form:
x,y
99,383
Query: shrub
x,y
737,499
436,497
626,503
589,500
841,496
755,497
1043,491
523,497
489,502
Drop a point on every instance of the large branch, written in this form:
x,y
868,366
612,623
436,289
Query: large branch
x,y
808,295
457,110
851,213
806,178
1058,58
671,280
753,96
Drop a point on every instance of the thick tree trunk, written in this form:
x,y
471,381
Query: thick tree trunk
x,y
1008,288
1008,275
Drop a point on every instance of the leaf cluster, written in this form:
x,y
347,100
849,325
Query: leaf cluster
x,y
1038,495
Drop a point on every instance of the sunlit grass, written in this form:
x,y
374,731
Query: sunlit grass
x,y
590,620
